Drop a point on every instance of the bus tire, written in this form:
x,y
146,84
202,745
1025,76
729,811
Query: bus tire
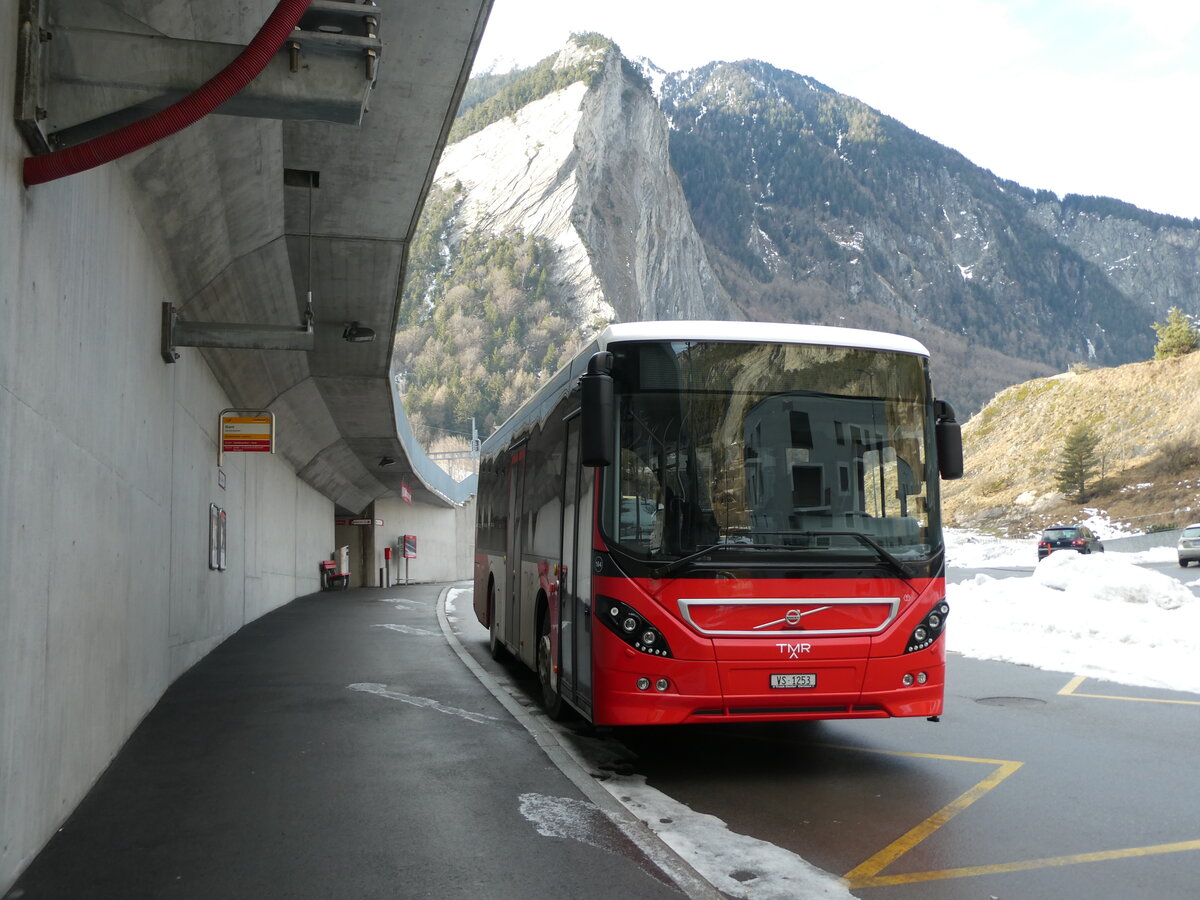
x,y
552,701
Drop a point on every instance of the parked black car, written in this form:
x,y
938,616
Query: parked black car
x,y
1068,537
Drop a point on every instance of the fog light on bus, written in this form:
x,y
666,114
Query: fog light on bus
x,y
922,678
661,685
907,679
643,684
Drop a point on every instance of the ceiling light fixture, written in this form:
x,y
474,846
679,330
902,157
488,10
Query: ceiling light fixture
x,y
358,334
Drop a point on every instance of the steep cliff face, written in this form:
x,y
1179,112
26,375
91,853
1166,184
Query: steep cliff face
x,y
630,208
1153,260
588,169
518,174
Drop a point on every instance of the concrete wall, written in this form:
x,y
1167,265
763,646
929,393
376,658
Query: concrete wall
x,y
1143,541
107,469
445,541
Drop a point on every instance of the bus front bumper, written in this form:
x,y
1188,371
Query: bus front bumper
x,y
640,690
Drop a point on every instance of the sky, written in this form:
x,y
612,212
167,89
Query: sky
x,y
1105,616
1093,97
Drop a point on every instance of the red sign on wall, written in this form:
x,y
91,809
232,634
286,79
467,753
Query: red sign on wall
x,y
410,546
405,493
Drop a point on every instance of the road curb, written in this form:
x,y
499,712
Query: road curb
x,y
681,873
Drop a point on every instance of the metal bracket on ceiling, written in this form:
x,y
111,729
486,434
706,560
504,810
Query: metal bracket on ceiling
x,y
232,335
84,69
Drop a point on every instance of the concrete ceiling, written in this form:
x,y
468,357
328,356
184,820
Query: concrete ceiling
x,y
246,243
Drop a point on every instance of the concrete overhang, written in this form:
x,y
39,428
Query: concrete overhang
x,y
254,214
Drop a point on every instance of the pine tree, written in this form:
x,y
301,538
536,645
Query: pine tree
x,y
1078,462
1176,337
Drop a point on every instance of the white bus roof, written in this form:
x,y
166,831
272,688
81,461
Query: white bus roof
x,y
547,396
759,333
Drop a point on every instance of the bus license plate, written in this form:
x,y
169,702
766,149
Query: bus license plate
x,y
806,680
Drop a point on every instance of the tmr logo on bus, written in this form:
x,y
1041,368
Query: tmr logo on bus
x,y
793,651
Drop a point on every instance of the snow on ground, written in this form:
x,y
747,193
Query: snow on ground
x,y
1102,615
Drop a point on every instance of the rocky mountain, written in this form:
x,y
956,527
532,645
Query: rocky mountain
x,y
739,190
814,205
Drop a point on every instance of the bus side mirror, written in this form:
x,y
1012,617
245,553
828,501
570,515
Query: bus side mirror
x,y
597,408
949,441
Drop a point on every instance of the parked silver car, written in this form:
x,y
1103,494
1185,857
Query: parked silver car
x,y
1189,545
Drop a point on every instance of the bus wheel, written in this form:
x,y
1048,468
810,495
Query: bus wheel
x,y
495,645
551,700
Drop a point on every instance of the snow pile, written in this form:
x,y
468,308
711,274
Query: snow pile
x,y
1104,528
969,550
736,864
1098,615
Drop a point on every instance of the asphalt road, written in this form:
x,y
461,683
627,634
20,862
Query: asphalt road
x,y
1034,784
337,748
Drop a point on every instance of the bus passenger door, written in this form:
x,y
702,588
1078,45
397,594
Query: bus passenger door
x,y
575,679
515,547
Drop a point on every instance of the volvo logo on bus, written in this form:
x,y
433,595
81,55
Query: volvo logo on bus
x,y
791,618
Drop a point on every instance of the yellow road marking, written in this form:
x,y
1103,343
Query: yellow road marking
x,y
1070,689
864,875
1048,862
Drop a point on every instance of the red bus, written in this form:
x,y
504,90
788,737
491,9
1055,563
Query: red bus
x,y
723,521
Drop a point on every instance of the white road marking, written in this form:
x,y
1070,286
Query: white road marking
x,y
422,702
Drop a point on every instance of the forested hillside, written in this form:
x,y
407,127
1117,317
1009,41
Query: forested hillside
x,y
481,323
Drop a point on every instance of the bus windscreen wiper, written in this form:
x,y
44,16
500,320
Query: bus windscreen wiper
x,y
669,569
893,562
886,556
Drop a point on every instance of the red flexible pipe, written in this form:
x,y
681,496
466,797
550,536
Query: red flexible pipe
x,y
177,116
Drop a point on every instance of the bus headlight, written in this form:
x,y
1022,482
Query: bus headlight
x,y
930,628
632,627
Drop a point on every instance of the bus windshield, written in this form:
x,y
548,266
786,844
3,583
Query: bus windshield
x,y
740,450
